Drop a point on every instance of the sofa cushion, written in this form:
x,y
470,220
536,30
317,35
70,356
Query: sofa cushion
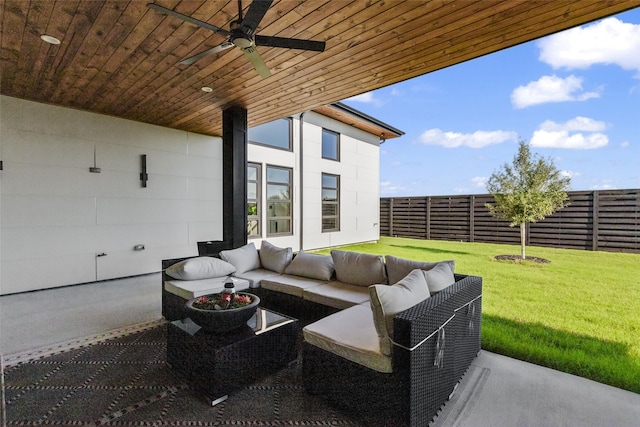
x,y
358,342
189,289
397,268
244,258
358,269
439,277
337,294
292,285
199,268
313,266
387,301
255,277
275,258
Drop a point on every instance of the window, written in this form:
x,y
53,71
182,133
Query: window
x,y
254,173
330,145
330,202
278,200
274,134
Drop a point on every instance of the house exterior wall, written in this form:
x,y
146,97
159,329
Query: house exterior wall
x,y
358,169
56,216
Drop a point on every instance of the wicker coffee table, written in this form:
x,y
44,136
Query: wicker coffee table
x,y
217,364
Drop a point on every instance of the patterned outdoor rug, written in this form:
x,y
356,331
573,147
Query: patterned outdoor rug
x,y
125,381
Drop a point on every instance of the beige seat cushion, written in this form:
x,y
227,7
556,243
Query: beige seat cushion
x,y
387,301
350,334
337,294
439,277
199,268
189,289
313,266
359,269
398,268
275,258
256,276
244,258
292,285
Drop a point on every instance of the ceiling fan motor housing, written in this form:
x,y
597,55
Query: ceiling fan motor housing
x,y
239,37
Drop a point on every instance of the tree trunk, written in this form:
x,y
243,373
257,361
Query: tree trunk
x,y
523,234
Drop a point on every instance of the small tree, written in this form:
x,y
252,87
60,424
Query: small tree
x,y
527,191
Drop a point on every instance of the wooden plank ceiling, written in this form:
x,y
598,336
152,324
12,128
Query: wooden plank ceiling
x,y
119,57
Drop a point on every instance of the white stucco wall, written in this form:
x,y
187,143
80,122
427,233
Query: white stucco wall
x,y
359,171
56,216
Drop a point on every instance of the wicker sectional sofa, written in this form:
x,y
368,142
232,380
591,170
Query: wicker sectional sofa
x,y
388,338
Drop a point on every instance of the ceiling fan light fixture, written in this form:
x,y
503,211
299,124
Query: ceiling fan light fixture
x,y
50,39
242,42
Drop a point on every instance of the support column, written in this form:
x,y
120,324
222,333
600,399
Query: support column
x,y
234,176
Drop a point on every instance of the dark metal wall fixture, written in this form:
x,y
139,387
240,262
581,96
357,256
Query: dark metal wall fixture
x,y
144,177
1,165
94,168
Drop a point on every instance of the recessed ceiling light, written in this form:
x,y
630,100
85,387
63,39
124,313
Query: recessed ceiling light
x,y
50,39
206,89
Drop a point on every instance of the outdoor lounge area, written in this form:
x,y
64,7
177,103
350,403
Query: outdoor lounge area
x,y
402,333
497,391
141,138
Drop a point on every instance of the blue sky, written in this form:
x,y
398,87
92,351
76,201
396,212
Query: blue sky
x,y
574,96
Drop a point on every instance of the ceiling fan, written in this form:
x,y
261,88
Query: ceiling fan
x,y
242,35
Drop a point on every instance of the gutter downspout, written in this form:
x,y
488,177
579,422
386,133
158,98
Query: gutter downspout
x,y
301,179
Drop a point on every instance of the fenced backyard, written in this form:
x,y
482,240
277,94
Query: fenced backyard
x,y
594,220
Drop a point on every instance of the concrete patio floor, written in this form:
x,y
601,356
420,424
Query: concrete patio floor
x,y
496,391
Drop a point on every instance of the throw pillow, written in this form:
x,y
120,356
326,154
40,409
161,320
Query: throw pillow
x,y
244,258
387,301
200,268
439,277
313,266
358,269
275,258
397,268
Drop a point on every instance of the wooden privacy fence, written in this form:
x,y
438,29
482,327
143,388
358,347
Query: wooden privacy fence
x,y
594,220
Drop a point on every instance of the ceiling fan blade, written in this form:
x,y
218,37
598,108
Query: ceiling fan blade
x,y
188,19
254,15
290,43
254,57
212,51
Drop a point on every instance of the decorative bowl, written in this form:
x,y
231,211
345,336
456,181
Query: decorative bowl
x,y
222,320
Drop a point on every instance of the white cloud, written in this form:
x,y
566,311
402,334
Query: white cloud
x,y
479,181
477,139
609,41
550,89
569,174
387,188
624,144
366,98
577,124
604,186
562,139
580,133
395,92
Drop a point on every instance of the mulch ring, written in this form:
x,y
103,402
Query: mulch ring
x,y
518,258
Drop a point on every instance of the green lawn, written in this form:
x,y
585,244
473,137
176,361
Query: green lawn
x,y
579,314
